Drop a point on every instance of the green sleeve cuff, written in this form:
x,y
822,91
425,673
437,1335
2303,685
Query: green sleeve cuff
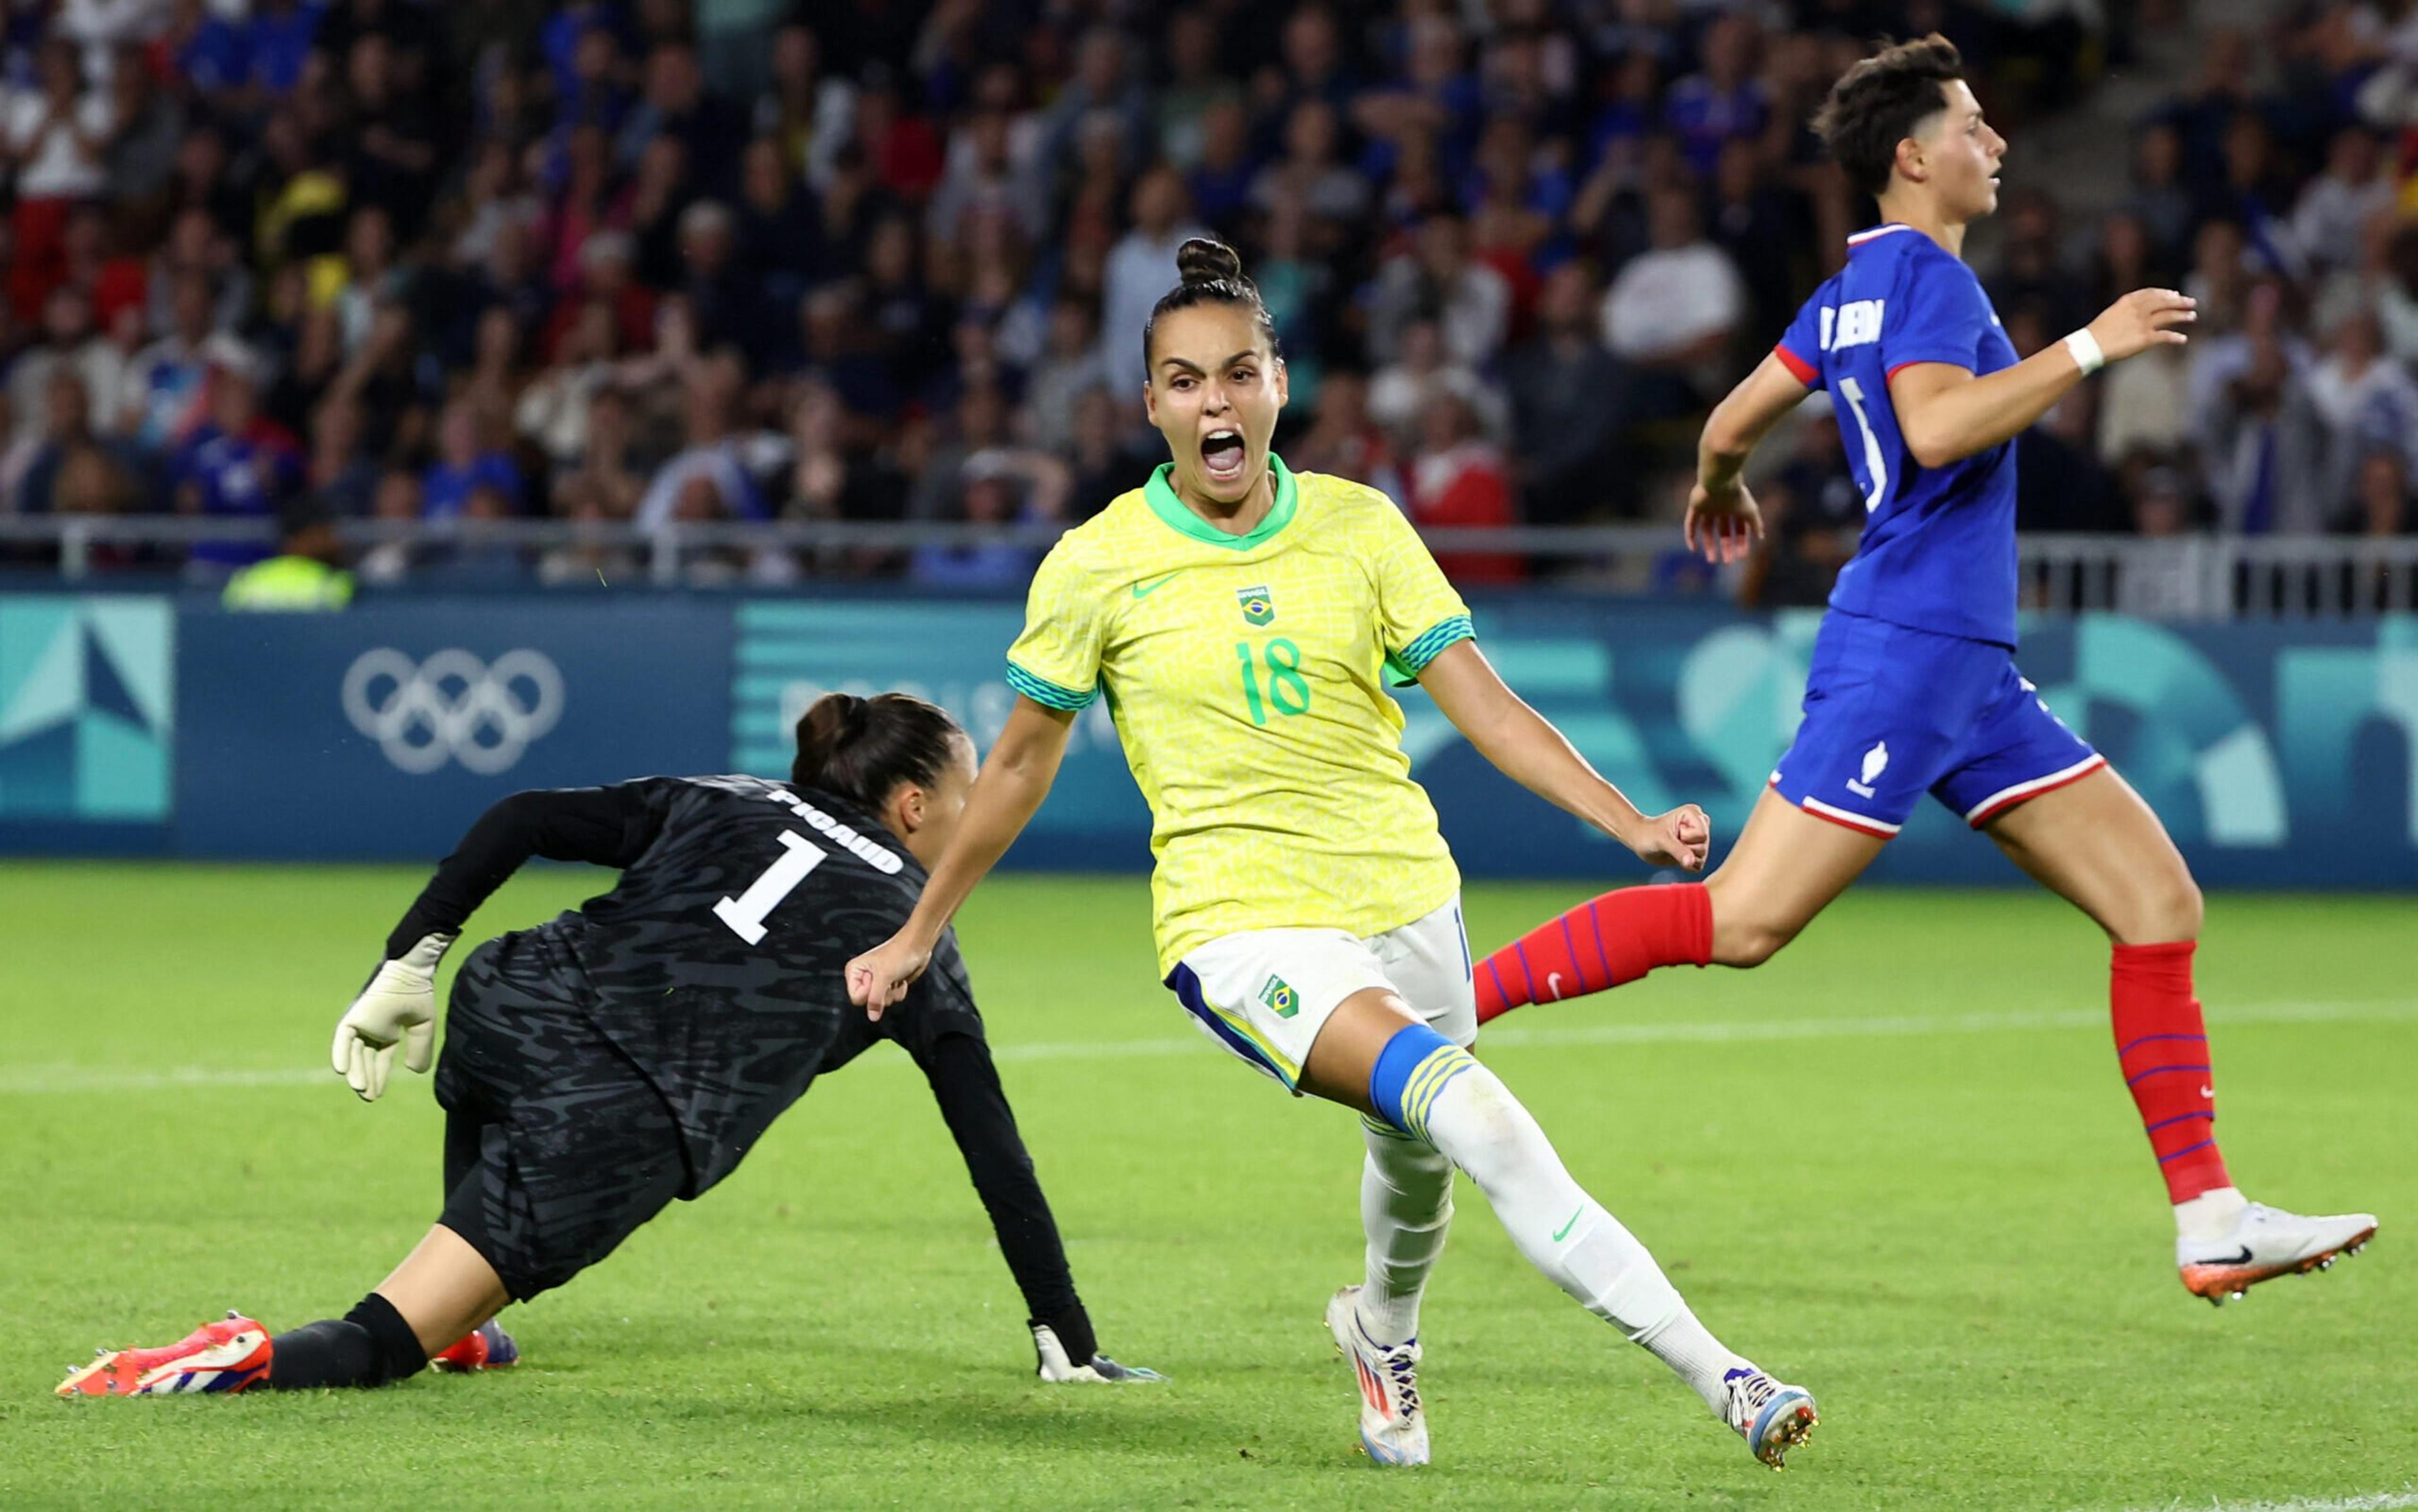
x,y
1407,664
1045,693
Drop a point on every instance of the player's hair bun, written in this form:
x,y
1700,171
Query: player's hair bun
x,y
862,748
1202,260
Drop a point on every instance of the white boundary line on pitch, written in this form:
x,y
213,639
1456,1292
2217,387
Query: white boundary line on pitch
x,y
2380,1502
37,1079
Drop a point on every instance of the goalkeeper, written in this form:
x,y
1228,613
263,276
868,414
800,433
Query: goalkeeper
x,y
631,1051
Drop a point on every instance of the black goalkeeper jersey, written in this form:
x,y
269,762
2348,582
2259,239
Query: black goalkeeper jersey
x,y
717,962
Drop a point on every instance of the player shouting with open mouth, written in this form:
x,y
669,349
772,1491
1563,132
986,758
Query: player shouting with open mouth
x,y
1913,685
1241,619
633,1050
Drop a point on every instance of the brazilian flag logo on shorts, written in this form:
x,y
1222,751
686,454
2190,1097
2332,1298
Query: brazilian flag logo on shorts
x,y
1281,998
1257,607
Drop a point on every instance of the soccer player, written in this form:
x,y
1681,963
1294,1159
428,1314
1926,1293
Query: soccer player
x,y
631,1051
1913,686
1242,620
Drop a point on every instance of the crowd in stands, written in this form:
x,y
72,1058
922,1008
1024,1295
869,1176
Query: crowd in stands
x,y
871,260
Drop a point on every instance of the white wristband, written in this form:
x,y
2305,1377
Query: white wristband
x,y
2087,355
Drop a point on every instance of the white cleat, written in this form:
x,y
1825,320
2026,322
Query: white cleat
x,y
1393,1425
1059,1368
1771,1415
2265,1243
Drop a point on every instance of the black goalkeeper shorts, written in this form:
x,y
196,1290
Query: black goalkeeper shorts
x,y
575,1149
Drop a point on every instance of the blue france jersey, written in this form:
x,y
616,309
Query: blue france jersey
x,y
1938,549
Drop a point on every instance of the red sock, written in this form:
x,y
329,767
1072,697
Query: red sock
x,y
2162,1047
1601,943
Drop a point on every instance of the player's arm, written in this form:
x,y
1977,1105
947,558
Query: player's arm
x,y
1526,747
1014,780
1945,414
1724,521
607,826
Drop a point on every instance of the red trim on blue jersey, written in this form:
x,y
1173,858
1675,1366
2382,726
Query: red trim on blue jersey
x,y
1802,370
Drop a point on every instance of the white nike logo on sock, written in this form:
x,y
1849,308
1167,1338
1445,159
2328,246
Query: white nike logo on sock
x,y
2207,1091
1553,985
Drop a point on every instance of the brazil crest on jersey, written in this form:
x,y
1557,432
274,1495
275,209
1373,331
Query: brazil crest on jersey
x,y
1938,549
1246,675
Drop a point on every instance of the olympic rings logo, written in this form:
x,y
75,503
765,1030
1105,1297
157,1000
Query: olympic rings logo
x,y
453,707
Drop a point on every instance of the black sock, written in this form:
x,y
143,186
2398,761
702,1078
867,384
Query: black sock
x,y
369,1346
1073,1326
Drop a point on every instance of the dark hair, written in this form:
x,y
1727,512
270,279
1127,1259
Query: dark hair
x,y
1877,103
862,749
1212,274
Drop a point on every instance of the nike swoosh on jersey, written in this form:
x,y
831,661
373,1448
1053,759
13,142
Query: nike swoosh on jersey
x,y
1144,591
1568,1227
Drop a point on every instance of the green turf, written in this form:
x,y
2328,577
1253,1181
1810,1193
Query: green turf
x,y
1952,1233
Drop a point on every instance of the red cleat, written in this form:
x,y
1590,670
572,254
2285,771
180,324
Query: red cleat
x,y
487,1347
225,1356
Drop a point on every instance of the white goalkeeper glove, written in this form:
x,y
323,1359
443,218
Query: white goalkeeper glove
x,y
398,1006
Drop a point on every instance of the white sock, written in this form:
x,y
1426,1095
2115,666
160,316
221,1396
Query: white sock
x,y
1474,1120
1405,1208
2210,1215
1703,1362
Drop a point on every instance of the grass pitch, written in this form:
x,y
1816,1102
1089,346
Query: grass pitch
x,y
1896,1165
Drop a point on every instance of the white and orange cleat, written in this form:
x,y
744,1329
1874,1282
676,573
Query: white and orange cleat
x,y
229,1355
487,1347
1393,1425
2265,1243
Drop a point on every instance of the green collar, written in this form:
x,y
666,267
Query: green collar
x,y
1179,518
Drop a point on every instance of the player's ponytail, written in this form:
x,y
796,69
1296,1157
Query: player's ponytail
x,y
1210,272
861,749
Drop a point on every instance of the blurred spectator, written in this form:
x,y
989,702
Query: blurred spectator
x,y
2160,199
707,479
305,575
2156,579
1675,307
2381,511
1346,439
160,398
1402,389
996,488
1141,267
1457,478
239,463
2365,401
1435,281
2260,443
1570,402
464,463
66,340
70,453
2330,220
1194,86
1725,103
1070,368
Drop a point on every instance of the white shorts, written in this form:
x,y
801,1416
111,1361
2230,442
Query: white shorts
x,y
1264,994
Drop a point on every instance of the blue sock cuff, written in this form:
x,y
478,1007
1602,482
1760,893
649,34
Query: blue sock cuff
x,y
1412,1068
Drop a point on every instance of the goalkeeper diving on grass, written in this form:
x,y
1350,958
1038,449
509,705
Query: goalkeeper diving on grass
x,y
631,1051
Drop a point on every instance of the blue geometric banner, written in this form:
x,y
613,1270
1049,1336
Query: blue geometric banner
x,y
87,709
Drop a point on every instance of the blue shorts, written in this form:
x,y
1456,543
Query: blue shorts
x,y
1892,712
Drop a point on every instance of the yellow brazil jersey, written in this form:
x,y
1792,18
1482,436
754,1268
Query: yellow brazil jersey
x,y
1247,676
